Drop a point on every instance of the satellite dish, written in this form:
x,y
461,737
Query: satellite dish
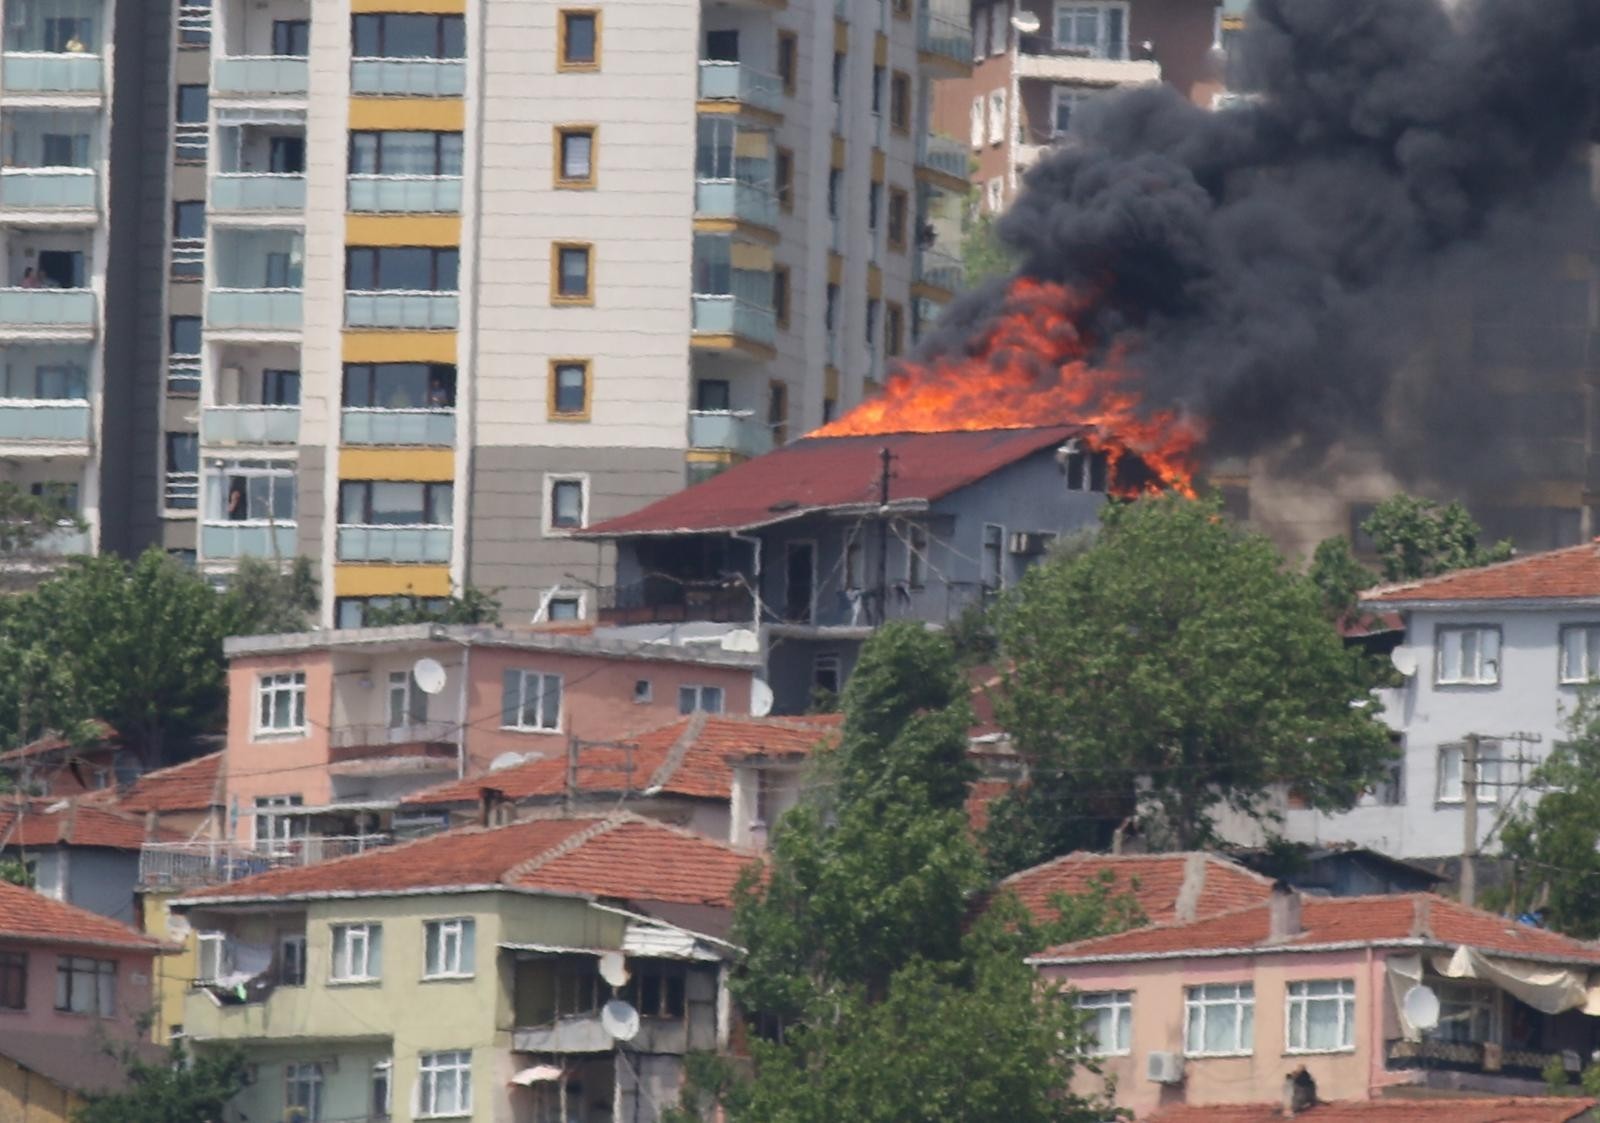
x,y
613,968
1025,22
1404,661
619,1019
504,761
760,698
1421,1007
429,674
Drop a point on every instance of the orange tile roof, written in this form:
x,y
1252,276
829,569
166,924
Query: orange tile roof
x,y
26,915
1572,573
1155,880
620,856
1403,918
106,741
191,786
43,823
1448,1109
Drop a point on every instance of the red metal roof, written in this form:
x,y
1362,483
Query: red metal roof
x,y
26,915
1156,881
834,473
1569,574
1446,1109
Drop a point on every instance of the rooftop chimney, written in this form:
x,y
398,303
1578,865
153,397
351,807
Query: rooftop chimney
x,y
1283,911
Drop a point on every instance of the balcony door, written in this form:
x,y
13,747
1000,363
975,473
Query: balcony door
x,y
800,572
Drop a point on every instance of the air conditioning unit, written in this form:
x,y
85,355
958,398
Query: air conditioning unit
x,y
1029,544
1164,1068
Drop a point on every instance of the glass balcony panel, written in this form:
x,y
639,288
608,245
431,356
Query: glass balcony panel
x,y
261,74
47,307
729,198
27,72
414,427
248,540
417,544
408,77
940,269
732,430
414,310
943,154
62,542
44,420
239,191
405,194
271,309
718,314
250,425
944,35
735,81
53,188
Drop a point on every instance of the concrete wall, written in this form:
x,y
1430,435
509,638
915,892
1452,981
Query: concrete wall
x,y
27,1097
91,878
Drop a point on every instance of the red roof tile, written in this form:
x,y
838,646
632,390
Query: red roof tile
x,y
639,859
1569,574
1156,881
1520,1109
73,823
191,786
26,915
52,743
833,473
1341,920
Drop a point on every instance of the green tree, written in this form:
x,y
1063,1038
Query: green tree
x,y
983,255
1420,538
1339,577
25,519
471,606
181,1090
263,599
1174,669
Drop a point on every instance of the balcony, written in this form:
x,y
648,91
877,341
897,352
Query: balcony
x,y
47,312
427,428
940,270
414,749
408,77
1470,1058
944,41
405,194
736,82
728,431
42,72
250,425
227,540
1105,65
944,162
191,865
54,189
258,192
271,310
732,199
65,541
415,545
415,311
260,76
44,421
727,315
662,600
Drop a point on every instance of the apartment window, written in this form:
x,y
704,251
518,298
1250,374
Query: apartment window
x,y
878,74
873,305
351,612
1467,656
357,953
1321,1016
643,692
280,387
449,948
62,35
13,980
402,269
778,411
408,704
399,386
193,107
1219,1020
444,1085
835,186
657,990
999,28
993,556
382,1088
563,608
899,216
1086,470
568,503
980,33
292,960
900,102
60,495
700,699
530,700
408,35
1390,789
572,273
977,122
916,555
210,956
783,178
1064,102
405,152
713,395
569,390
894,326
189,220
1453,780
1092,30
579,47
854,575
874,204
838,75
395,503
997,116
1108,1018
302,1090
1467,1013
788,60
826,676
183,337
780,294
830,308
281,702
183,459
1580,653
276,826
86,986
291,38
575,153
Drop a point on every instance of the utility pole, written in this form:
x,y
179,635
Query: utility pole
x,y
1469,821
887,458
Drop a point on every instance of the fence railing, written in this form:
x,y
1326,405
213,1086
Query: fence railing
x,y
182,865
408,77
182,491
665,600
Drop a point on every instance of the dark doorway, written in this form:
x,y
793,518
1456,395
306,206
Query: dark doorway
x,y
800,572
61,269
722,46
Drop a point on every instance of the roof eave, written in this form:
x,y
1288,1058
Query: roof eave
x,y
843,510
1047,960
311,897
1474,604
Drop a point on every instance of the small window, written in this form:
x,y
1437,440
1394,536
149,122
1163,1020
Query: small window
x,y
291,38
916,555
1085,469
13,980
899,217
183,336
194,103
579,48
572,273
783,178
700,699
894,328
1452,779
874,306
778,411
292,960
1467,656
444,1084
189,219
838,75
835,189
1108,1020
874,204
357,953
780,294
994,194
980,33
788,60
302,1090
1322,1016
993,556
643,692
977,121
999,30
877,90
997,116
900,102
575,156
382,1088
530,701
210,957
568,503
1580,653
448,950
563,608
86,986
281,702
1220,1020
569,389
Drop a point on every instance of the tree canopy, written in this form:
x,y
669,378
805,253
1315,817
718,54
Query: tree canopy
x,y
181,1090
471,606
1420,538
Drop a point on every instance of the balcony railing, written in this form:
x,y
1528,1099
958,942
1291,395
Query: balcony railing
x,y
365,425
728,430
664,600
357,741
182,491
408,77
423,544
48,188
46,420
729,198
268,309
943,154
42,308
190,141
65,541
946,36
269,75
405,194
940,269
725,314
258,191
414,310
736,81
183,375
250,425
248,540
42,72
189,865
1466,1056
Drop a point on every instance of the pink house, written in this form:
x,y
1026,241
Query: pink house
x,y
1312,995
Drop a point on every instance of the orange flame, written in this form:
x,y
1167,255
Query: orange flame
x,y
1031,369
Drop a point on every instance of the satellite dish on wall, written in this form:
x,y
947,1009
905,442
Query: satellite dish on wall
x,y
1404,661
760,698
1421,1007
614,968
1025,22
619,1019
429,674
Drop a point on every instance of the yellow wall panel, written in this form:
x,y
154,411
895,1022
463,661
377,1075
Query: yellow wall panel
x,y
446,7
402,230
399,347
427,464
437,114
391,580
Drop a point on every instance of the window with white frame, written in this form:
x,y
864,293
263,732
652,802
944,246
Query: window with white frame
x,y
1108,1019
277,827
1220,1020
1064,102
1321,1016
86,986
408,705
530,700
357,953
997,116
1452,773
995,194
281,702
258,491
1467,1013
1467,656
700,699
211,956
567,503
382,1088
1580,653
1092,30
444,1084
302,1092
977,121
449,950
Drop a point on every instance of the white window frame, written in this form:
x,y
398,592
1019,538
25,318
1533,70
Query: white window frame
x,y
997,116
1589,653
382,1075
1210,996
413,701
547,508
1297,1003
540,690
1488,777
432,1066
702,692
345,958
1058,94
1484,655
995,195
268,686
1120,1005
212,946
447,945
1102,41
979,116
308,1075
276,824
